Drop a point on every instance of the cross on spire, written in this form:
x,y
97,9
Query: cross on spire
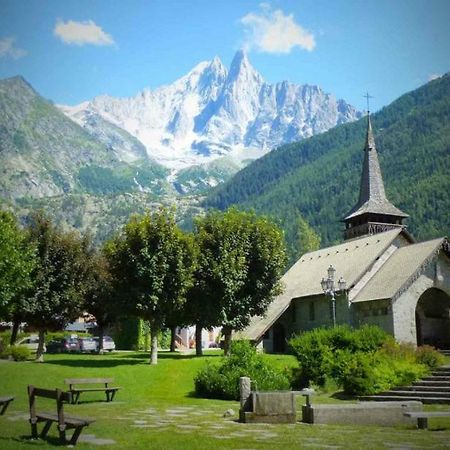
x,y
367,96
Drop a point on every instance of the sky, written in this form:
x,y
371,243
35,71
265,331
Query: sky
x,y
70,51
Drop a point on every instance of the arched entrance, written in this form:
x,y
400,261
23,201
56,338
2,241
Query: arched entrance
x,y
433,319
279,338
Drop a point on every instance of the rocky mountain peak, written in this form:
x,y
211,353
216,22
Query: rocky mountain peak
x,y
241,69
212,112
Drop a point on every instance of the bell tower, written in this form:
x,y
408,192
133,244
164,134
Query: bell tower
x,y
373,213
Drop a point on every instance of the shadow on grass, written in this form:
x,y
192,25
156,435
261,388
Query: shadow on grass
x,y
340,395
167,355
93,362
120,359
27,439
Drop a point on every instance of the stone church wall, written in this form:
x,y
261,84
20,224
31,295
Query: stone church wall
x,y
377,313
437,275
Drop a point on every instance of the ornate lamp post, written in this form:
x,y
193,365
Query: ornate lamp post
x,y
329,288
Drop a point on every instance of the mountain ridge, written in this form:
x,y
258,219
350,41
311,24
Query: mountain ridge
x,y
213,112
318,178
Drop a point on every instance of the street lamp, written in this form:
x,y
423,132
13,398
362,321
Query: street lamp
x,y
329,288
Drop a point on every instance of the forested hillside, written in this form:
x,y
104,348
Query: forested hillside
x,y
318,178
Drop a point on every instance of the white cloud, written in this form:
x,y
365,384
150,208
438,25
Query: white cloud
x,y
81,33
434,76
272,31
8,48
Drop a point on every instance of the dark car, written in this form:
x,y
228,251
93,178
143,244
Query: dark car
x,y
63,345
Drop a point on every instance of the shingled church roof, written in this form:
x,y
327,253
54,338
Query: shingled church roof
x,y
352,259
372,198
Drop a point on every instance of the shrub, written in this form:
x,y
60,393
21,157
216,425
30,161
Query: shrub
x,y
312,350
53,335
429,356
363,361
370,338
370,373
221,380
19,352
316,350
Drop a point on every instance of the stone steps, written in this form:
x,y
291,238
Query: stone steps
x,y
424,400
437,378
432,389
420,393
440,384
424,388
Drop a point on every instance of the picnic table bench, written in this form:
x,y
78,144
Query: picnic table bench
x,y
423,416
92,386
4,402
64,421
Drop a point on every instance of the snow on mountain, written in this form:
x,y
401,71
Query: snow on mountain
x,y
212,112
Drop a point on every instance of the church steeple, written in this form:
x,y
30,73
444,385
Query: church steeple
x,y
374,212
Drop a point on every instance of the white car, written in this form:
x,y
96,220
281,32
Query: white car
x,y
87,344
108,343
30,342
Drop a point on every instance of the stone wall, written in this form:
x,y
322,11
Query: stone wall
x,y
378,312
436,275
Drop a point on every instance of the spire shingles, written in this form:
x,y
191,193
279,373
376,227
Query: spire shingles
x,y
372,197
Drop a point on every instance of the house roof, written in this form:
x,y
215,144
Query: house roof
x,y
351,260
372,197
398,270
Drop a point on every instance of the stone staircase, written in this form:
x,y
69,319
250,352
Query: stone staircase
x,y
432,389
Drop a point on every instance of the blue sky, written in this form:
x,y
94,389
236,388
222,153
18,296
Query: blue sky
x,y
71,51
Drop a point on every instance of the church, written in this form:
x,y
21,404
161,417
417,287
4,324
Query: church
x,y
379,275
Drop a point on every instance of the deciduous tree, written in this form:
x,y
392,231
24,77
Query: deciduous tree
x,y
100,299
17,260
152,263
241,260
59,278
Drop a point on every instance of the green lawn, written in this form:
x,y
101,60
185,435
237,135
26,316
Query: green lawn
x,y
156,409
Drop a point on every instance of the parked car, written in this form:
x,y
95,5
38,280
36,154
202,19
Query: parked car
x,y
63,345
108,343
87,344
30,342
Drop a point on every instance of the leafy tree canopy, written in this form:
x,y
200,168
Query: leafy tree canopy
x,y
152,263
59,279
241,260
17,260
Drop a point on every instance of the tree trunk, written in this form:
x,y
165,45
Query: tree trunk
x,y
173,335
154,350
14,331
100,339
227,332
198,340
40,350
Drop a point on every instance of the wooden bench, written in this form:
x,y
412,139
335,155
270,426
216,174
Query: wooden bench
x,y
110,391
4,402
64,421
423,416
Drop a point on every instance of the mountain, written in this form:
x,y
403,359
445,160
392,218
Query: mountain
x,y
44,154
213,112
318,178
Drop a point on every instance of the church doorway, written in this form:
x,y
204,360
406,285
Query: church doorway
x,y
433,319
279,338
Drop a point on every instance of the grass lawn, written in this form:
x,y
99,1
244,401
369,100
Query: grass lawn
x,y
156,409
